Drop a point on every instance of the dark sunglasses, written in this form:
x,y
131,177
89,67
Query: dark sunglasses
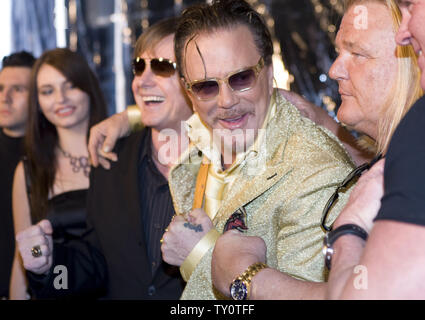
x,y
240,80
355,174
160,66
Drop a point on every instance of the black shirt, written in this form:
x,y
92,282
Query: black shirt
x,y
404,174
11,150
155,202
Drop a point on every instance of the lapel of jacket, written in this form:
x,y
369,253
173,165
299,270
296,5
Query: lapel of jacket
x,y
248,187
256,178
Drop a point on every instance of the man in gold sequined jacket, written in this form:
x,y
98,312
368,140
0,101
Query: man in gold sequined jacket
x,y
254,163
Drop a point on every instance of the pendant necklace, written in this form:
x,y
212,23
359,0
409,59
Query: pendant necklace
x,y
78,163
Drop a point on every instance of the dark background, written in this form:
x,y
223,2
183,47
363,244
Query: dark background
x,y
305,30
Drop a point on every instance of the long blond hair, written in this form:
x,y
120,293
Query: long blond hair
x,y
406,88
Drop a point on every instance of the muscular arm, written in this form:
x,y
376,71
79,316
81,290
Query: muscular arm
x,y
298,246
269,283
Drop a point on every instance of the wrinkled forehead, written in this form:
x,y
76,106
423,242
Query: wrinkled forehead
x,y
239,34
368,24
368,16
215,54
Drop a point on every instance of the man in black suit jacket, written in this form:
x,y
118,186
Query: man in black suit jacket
x,y
130,205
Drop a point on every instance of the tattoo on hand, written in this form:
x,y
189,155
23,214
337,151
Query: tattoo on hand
x,y
196,228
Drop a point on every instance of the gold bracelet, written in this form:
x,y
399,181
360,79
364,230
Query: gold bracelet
x,y
134,118
240,288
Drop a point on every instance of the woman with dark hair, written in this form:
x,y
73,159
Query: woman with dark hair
x,y
52,182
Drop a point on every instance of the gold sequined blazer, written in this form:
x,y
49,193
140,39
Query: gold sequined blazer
x,y
283,200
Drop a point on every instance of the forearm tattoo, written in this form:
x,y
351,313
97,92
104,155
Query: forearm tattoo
x,y
194,227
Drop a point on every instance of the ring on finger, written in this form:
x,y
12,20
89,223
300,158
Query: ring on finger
x,y
36,251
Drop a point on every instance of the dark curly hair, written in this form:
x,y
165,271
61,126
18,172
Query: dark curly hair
x,y
221,14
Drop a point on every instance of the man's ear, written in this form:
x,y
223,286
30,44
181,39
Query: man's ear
x,y
184,87
183,82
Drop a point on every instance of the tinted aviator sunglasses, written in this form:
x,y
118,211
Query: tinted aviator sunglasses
x,y
160,66
240,80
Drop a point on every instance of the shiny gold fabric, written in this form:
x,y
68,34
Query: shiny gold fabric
x,y
219,180
283,196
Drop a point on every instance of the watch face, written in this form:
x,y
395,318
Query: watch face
x,y
238,290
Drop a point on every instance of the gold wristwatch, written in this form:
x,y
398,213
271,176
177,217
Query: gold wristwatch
x,y
240,287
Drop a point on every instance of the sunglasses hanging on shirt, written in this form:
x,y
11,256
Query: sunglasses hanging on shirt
x,y
352,177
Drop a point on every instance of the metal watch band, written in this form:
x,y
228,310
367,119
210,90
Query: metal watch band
x,y
333,235
246,277
252,270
